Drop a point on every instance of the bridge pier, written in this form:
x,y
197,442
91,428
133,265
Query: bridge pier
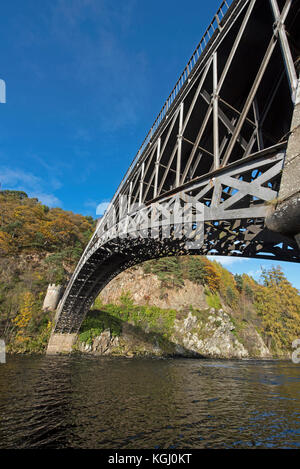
x,y
61,343
284,218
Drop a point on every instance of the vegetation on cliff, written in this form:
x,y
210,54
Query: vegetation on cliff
x,y
273,305
38,245
41,245
156,321
256,313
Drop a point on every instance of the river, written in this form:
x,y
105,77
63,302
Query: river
x,y
92,402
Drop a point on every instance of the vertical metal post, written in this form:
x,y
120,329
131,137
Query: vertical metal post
x,y
216,111
141,183
250,99
286,52
121,206
179,139
156,167
129,197
260,142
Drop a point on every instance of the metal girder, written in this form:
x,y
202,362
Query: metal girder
x,y
250,99
219,139
280,28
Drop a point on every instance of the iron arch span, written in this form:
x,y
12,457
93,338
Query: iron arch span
x,y
221,143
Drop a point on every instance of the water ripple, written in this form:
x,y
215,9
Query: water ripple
x,y
88,402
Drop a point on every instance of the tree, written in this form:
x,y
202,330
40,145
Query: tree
x,y
231,296
168,270
239,282
196,270
248,291
278,305
212,276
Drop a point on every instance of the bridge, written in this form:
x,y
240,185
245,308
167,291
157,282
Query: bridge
x,y
223,153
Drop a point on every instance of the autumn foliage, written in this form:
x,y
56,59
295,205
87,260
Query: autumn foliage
x,y
38,245
272,304
26,224
41,245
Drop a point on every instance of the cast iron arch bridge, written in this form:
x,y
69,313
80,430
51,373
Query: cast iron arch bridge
x,y
220,140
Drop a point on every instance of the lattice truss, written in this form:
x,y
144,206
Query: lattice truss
x,y
234,210
236,102
238,192
221,143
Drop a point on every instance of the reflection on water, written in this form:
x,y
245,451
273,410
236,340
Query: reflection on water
x,y
89,402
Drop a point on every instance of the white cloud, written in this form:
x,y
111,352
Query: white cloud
x,y
256,274
34,186
100,210
15,177
47,199
228,260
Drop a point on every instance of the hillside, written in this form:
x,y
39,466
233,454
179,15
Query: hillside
x,y
173,306
38,245
193,307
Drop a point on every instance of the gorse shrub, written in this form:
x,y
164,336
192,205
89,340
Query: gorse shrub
x,y
38,245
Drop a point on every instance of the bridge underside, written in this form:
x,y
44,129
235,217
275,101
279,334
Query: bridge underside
x,y
221,141
111,261
234,226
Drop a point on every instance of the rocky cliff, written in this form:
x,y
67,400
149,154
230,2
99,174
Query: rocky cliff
x,y
147,288
195,329
175,305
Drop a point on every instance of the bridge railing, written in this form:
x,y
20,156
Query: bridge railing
x,y
212,28
214,25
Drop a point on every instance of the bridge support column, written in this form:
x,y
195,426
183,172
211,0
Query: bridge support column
x,y
61,343
284,218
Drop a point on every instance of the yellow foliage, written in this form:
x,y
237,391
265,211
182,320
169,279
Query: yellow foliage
x,y
5,242
25,314
27,224
212,277
278,304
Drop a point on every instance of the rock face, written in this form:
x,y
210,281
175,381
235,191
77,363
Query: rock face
x,y
215,336
102,345
197,331
146,288
211,336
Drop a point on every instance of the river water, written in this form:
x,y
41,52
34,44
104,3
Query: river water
x,y
91,402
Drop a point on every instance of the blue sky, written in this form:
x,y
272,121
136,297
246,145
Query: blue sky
x,y
85,80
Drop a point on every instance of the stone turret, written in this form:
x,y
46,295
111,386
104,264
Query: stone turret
x,y
52,297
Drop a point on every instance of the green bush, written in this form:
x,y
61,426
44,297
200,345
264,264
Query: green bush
x,y
95,323
213,299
